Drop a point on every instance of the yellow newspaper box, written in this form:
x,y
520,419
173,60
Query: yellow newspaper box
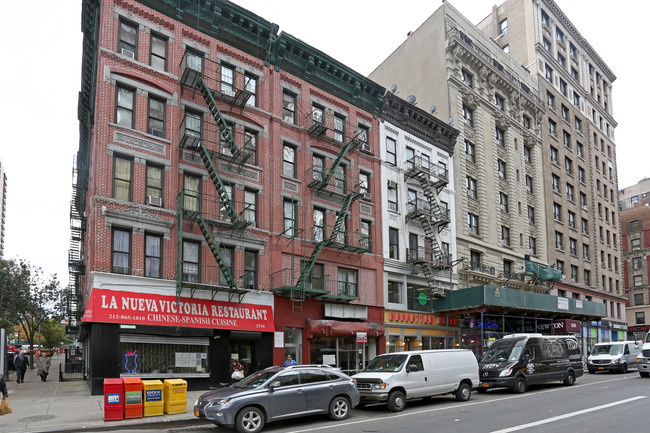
x,y
175,396
153,397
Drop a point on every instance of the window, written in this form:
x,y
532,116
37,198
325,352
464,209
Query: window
x,y
585,252
156,117
155,185
499,101
552,127
559,265
636,262
501,168
194,61
250,270
574,74
566,137
532,245
251,145
364,184
560,34
227,254
152,255
639,316
587,278
638,280
394,292
557,212
545,19
289,107
526,121
470,151
572,219
503,27
503,201
638,299
347,282
472,223
583,200
549,74
288,161
393,243
227,86
505,235
573,247
528,155
636,244
565,112
581,174
364,133
339,128
561,60
158,55
501,137
531,214
579,149
128,40
467,77
563,87
578,124
193,126
340,179
318,167
365,235
191,192
391,151
555,182
392,197
250,85
125,107
550,99
529,184
122,178
576,99
468,115
471,187
250,206
568,164
569,192
475,260
572,50
319,221
547,45
121,252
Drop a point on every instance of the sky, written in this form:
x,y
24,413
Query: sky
x,y
41,79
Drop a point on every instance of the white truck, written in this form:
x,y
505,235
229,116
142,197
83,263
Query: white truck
x,y
643,360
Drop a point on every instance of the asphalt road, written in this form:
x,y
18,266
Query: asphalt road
x,y
596,403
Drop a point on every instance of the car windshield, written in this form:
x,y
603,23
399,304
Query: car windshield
x,y
607,349
388,363
255,380
504,350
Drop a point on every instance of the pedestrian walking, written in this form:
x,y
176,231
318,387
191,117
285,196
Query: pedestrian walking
x,y
44,362
3,387
21,363
5,408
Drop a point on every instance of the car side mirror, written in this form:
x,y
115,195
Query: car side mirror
x,y
273,385
412,368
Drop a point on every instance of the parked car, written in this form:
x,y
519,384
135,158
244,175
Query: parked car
x,y
397,377
613,356
519,360
279,393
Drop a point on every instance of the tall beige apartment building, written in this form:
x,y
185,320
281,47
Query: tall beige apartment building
x,y
578,152
498,174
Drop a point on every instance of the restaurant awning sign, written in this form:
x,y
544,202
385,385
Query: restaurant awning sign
x,y
112,306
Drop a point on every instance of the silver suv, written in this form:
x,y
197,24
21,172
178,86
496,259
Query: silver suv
x,y
279,393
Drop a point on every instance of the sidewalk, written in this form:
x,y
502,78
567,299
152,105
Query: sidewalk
x,y
55,406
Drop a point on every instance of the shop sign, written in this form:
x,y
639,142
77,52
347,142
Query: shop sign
x,y
639,328
424,319
488,324
112,306
362,337
579,303
619,326
562,303
422,299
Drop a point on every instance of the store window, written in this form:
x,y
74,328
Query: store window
x,y
159,356
293,344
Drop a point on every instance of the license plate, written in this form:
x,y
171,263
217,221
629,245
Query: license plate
x,y
485,385
601,368
196,413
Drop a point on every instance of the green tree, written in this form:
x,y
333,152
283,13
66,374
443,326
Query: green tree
x,y
52,332
14,286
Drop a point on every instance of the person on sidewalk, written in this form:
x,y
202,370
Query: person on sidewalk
x,y
44,362
21,363
3,387
289,361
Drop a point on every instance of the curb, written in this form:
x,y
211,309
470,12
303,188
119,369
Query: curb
x,y
117,426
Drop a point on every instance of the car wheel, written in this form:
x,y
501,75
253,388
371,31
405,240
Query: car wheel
x,y
624,368
396,401
464,392
249,420
481,390
519,386
570,379
644,374
339,408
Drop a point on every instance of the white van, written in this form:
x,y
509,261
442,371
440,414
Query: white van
x,y
613,356
643,358
396,377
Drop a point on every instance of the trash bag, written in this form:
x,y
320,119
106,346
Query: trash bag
x,y
5,408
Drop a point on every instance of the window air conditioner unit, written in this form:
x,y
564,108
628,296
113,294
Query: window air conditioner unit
x,y
367,196
157,132
128,53
392,184
154,201
308,286
366,147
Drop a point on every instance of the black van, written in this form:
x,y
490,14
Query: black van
x,y
519,360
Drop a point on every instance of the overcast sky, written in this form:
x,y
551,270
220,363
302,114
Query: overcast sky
x,y
41,76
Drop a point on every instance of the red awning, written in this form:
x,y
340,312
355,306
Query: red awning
x,y
341,328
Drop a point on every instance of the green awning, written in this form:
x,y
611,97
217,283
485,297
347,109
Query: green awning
x,y
542,273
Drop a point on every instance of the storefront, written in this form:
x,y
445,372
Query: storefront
x,y
155,336
342,335
637,332
420,331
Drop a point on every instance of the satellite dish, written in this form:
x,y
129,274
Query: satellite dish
x,y
410,99
450,121
434,109
393,88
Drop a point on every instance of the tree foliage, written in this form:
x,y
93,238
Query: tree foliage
x,y
52,332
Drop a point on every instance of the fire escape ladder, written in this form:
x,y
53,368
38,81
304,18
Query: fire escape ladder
x,y
223,267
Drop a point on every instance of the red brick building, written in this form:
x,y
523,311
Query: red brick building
x,y
225,197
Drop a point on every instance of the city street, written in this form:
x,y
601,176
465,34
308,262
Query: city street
x,y
596,403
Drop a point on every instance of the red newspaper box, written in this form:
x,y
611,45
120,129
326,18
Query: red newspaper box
x,y
113,399
132,397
